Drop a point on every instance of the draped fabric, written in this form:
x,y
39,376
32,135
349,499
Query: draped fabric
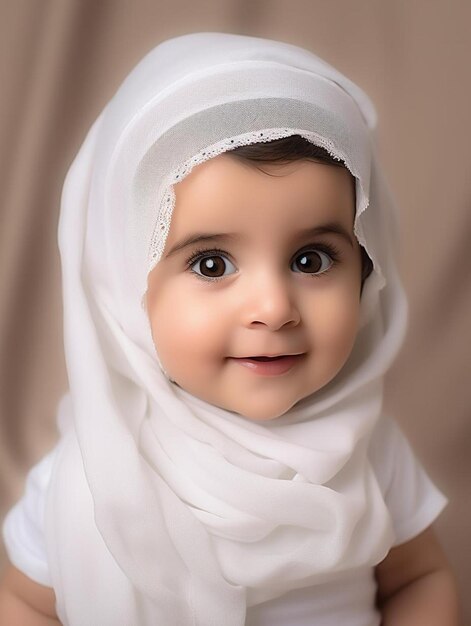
x,y
195,511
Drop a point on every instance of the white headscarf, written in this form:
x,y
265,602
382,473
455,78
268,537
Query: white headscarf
x,y
164,509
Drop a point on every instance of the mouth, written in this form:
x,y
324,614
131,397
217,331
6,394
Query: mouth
x,y
269,365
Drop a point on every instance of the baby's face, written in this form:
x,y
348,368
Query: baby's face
x,y
255,302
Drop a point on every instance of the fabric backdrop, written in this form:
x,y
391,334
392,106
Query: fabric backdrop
x,y
61,60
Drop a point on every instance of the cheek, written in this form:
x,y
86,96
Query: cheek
x,y
185,331
336,323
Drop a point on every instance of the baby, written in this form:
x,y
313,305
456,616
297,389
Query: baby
x,y
231,305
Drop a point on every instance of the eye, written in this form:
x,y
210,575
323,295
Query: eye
x,y
312,262
213,266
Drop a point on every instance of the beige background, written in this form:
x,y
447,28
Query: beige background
x,y
61,60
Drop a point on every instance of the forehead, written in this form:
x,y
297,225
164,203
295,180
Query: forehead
x,y
228,193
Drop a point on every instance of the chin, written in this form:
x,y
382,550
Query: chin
x,y
264,412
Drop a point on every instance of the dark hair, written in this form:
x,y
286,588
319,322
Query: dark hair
x,y
287,150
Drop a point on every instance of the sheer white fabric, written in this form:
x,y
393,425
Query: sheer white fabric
x,y
412,500
182,512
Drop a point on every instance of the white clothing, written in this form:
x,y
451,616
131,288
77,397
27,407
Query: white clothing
x,y
411,498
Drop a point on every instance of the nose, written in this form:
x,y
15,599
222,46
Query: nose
x,y
270,303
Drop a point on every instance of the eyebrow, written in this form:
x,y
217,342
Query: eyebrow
x,y
325,229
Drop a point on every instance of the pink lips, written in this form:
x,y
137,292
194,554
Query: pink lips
x,y
270,366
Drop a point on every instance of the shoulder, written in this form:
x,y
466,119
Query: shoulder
x,y
412,499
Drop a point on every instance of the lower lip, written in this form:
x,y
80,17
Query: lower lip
x,y
270,368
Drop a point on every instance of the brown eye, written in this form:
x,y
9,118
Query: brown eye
x,y
214,266
312,262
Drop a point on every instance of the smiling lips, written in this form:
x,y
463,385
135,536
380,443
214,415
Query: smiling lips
x,y
269,365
